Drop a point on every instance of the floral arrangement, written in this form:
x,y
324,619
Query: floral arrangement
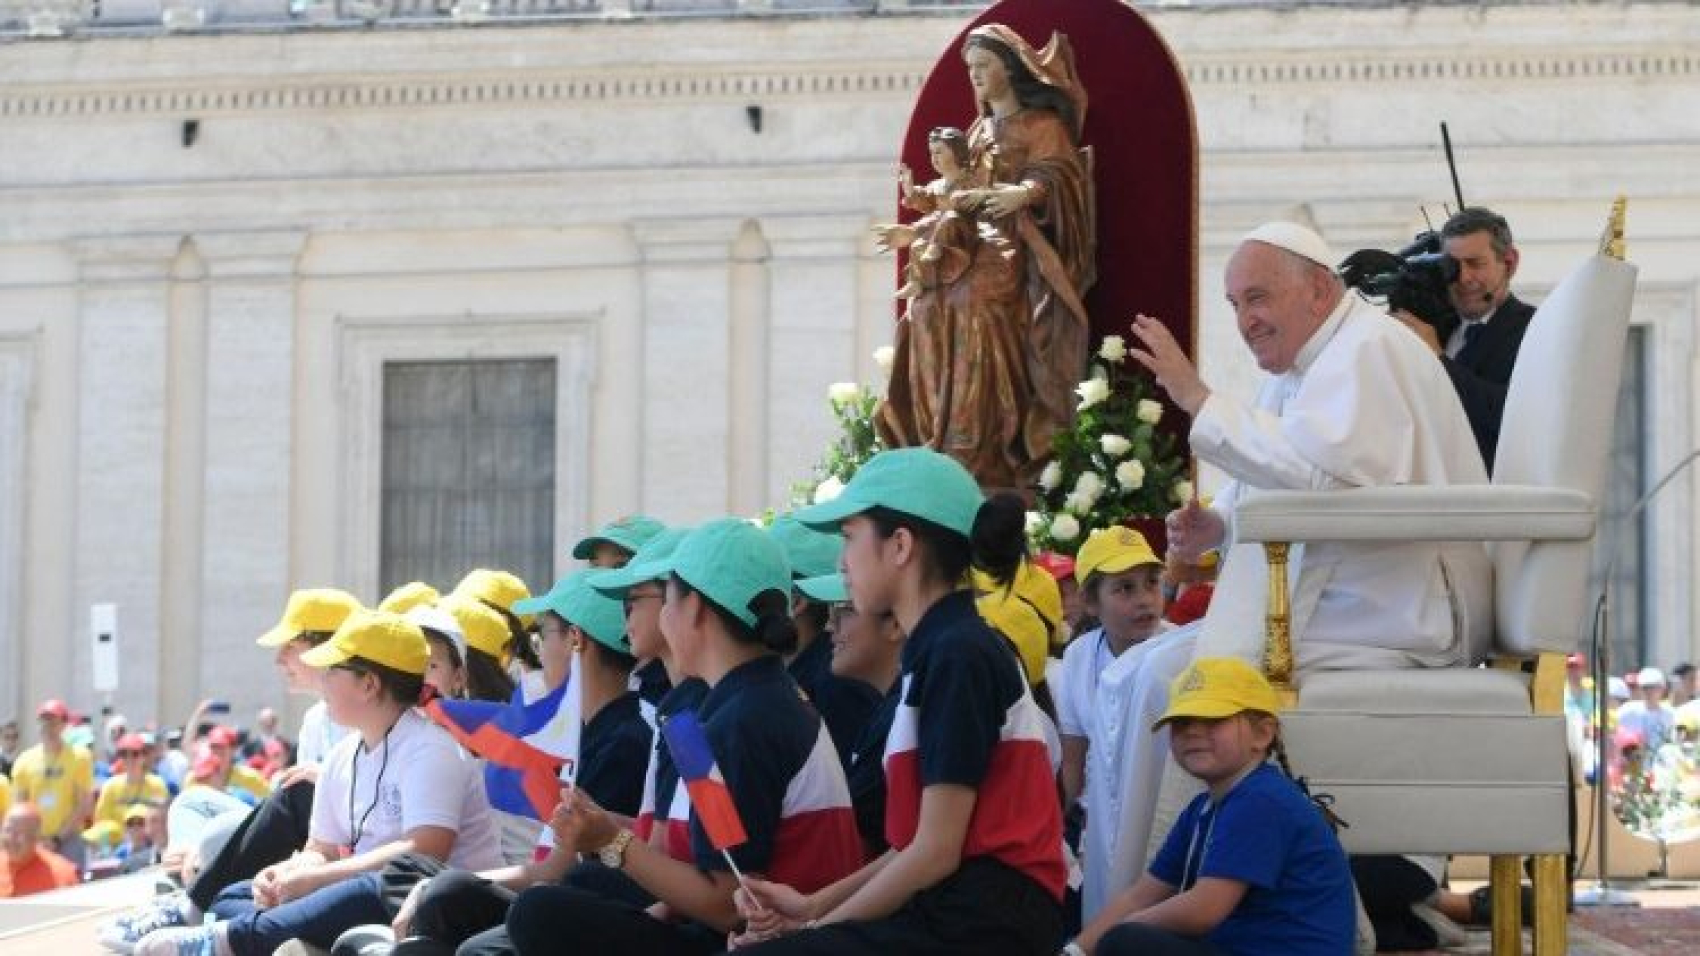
x,y
853,406
1112,464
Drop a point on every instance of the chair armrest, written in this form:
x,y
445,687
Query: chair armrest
x,y
1417,513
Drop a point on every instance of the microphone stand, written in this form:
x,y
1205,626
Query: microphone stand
x,y
1602,894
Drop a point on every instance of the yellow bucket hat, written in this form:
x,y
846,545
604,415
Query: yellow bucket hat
x,y
314,609
377,636
1217,687
1112,551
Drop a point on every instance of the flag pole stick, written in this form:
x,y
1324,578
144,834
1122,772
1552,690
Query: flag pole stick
x,y
739,875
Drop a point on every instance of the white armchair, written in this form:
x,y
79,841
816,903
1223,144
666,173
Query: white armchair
x,y
1473,761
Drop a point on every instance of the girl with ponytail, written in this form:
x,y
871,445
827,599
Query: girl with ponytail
x,y
975,864
726,618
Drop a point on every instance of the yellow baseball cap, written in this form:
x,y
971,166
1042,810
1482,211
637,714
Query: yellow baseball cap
x,y
495,587
1028,613
314,609
1217,687
409,596
377,636
1112,551
484,629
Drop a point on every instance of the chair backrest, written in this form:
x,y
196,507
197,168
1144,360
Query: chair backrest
x,y
1557,433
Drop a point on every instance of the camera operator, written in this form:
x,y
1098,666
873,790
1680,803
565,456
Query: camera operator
x,y
1482,348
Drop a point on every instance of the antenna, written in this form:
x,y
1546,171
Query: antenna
x,y
1452,165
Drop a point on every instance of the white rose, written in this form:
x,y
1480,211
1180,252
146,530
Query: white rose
x,y
1035,523
1089,483
1113,349
884,356
828,490
1183,491
844,393
1150,412
1077,503
1051,477
1114,445
1091,392
1065,528
1130,475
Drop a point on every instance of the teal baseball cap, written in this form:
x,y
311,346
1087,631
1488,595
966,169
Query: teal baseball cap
x,y
812,553
918,482
648,564
730,561
825,588
629,533
597,614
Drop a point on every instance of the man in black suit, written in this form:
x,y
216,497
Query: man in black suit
x,y
1481,349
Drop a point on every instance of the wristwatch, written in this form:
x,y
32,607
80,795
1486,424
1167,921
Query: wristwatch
x,y
1073,949
613,855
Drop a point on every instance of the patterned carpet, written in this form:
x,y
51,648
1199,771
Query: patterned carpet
x,y
1649,930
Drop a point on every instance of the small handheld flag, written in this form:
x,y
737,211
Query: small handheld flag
x,y
710,797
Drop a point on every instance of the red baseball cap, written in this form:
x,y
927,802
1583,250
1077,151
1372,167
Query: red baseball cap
x,y
222,736
131,742
1058,566
53,708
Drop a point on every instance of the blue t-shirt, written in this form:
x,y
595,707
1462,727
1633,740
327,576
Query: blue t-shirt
x,y
1266,834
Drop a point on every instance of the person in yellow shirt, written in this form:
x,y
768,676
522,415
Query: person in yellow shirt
x,y
5,794
239,776
59,779
134,786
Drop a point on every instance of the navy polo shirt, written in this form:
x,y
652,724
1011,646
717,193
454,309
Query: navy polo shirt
x,y
845,705
865,772
687,695
762,731
614,754
651,683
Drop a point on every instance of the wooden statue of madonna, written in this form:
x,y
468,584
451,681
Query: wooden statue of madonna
x,y
995,335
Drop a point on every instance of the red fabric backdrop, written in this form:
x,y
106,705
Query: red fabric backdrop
x,y
1139,124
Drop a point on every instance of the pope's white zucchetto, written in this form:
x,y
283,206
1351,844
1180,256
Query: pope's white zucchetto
x,y
1296,239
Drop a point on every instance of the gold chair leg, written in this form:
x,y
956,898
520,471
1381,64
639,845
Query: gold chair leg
x,y
1552,929
1505,879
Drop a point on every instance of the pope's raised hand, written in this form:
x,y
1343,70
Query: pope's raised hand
x,y
1164,358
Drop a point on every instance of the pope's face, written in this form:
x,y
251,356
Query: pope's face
x,y
1275,304
987,74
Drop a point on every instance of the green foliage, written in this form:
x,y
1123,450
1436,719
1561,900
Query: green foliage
x,y
853,407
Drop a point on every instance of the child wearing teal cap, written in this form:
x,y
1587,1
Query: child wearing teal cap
x,y
727,619
971,807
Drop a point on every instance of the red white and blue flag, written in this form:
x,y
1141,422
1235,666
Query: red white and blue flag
x,y
531,747
710,797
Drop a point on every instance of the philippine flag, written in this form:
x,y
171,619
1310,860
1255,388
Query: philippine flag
x,y
530,747
710,797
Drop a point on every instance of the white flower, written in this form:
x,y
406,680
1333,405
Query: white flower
x,y
1077,503
884,356
1065,528
828,490
1114,445
1182,491
1051,477
1091,392
1130,475
1113,349
1090,483
844,393
1149,412
1035,523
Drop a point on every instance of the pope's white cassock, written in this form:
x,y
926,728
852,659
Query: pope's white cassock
x,y
1366,403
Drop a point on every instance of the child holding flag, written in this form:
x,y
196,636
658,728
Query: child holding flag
x,y
976,863
764,755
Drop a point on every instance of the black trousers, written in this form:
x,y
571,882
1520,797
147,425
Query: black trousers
x,y
465,914
274,830
984,909
1388,885
1134,939
562,920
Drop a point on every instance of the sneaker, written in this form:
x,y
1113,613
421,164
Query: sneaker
x,y
122,934
1448,935
180,941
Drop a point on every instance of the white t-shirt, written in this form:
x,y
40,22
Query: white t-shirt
x,y
418,777
318,735
1076,687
